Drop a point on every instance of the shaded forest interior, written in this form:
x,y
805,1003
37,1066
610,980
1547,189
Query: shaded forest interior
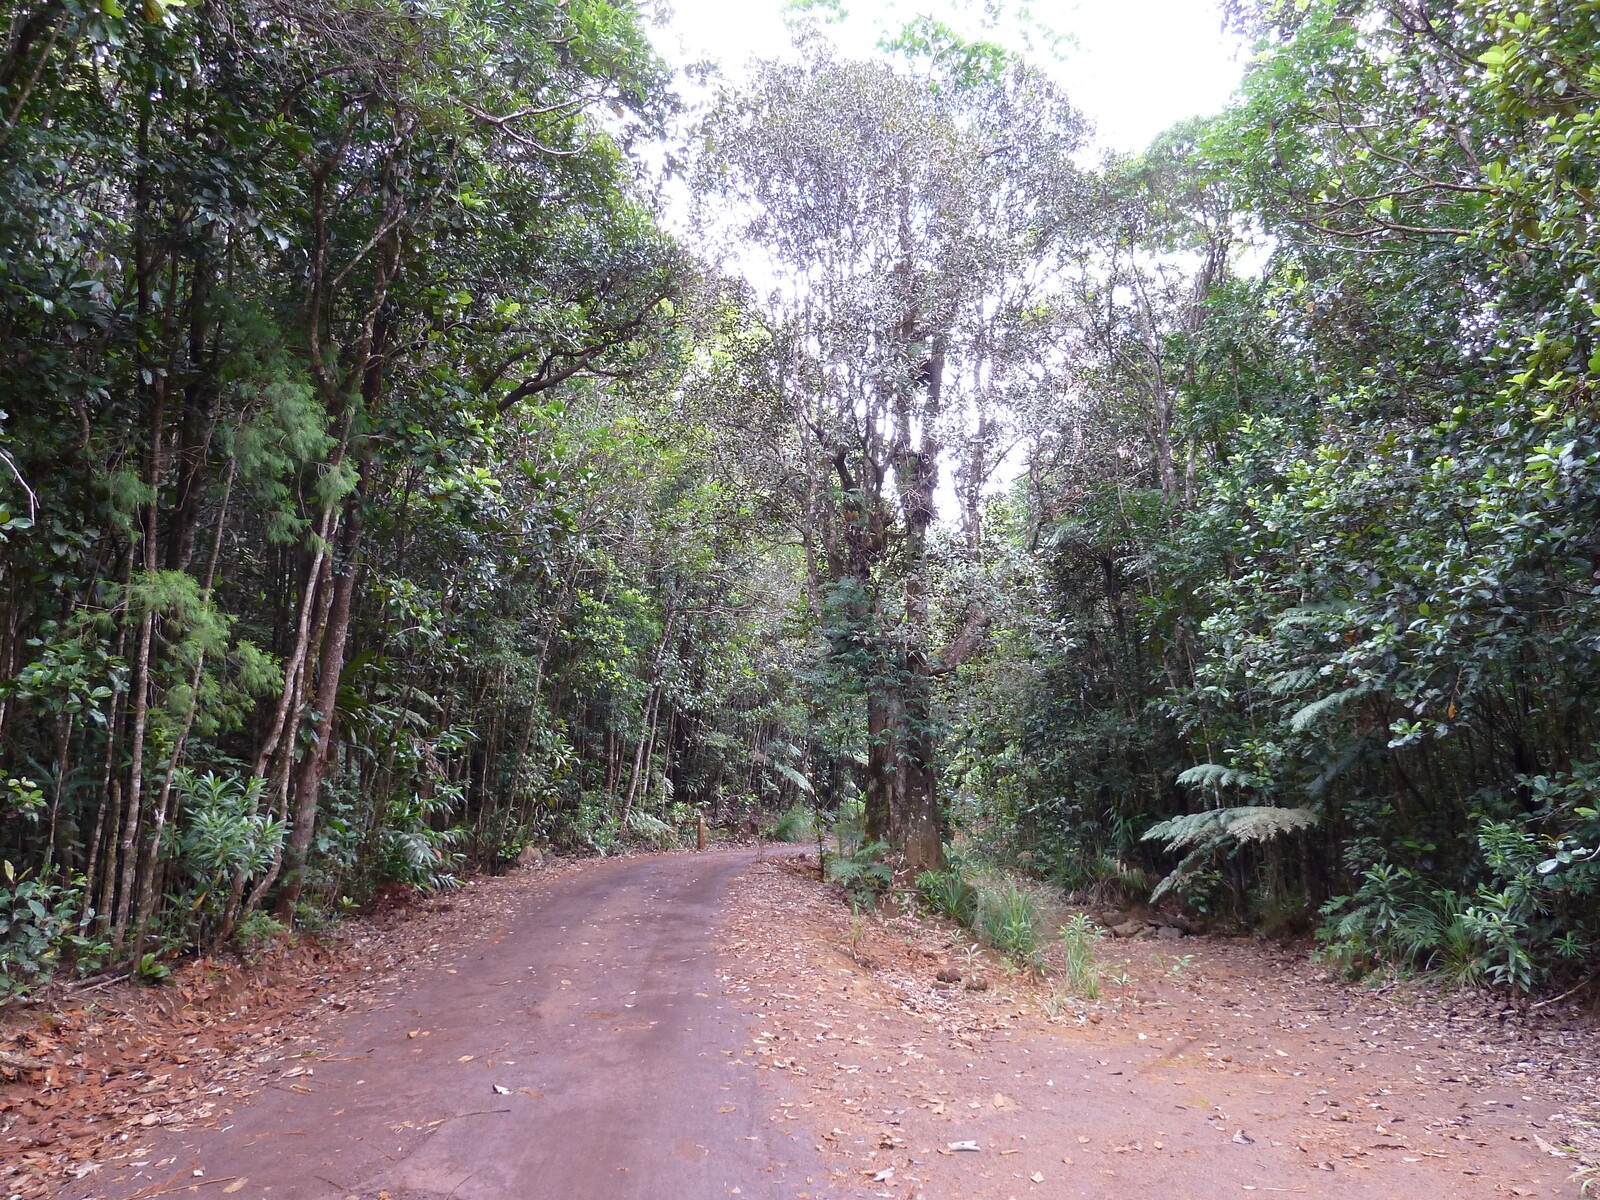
x,y
385,489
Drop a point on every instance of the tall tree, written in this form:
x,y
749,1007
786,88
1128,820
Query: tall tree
x,y
894,208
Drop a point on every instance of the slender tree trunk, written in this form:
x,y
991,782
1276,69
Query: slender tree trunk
x,y
308,784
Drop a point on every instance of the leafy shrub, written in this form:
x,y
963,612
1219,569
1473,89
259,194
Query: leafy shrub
x,y
653,830
850,825
1393,917
256,931
862,873
221,831
413,851
39,931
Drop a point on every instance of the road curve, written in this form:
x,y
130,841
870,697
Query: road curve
x,y
584,1051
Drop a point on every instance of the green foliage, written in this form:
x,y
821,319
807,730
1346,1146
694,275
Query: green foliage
x,y
654,830
1317,557
222,829
849,825
412,851
862,873
797,823
39,931
1205,833
949,894
1080,940
1009,919
257,931
1392,918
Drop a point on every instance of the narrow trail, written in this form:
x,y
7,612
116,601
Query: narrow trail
x,y
583,1050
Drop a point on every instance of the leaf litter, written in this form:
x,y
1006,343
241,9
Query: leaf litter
x,y
1239,1057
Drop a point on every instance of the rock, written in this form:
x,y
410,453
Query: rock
x,y
977,983
948,975
1128,929
1170,933
532,857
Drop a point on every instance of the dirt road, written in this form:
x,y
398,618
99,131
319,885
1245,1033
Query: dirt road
x,y
695,1026
583,1051
1220,1069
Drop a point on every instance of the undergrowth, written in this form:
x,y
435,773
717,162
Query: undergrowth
x,y
862,873
1011,916
795,824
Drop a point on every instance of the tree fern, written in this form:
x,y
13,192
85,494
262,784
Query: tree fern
x,y
1217,776
1204,833
1314,712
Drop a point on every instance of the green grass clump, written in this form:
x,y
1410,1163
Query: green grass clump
x,y
1008,918
1080,938
950,895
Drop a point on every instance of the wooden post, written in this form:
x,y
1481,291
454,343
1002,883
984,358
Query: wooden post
x,y
700,831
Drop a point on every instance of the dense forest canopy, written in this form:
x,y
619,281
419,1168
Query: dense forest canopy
x,y
384,490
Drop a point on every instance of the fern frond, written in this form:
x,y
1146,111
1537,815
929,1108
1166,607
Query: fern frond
x,y
1202,833
1218,776
1317,709
1189,828
1292,681
793,776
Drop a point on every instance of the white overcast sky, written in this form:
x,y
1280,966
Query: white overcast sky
x,y
1138,66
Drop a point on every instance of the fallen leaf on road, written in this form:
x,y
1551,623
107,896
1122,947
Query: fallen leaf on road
x,y
236,1185
963,1145
1037,1177
728,1108
1244,1139
501,1091
466,1058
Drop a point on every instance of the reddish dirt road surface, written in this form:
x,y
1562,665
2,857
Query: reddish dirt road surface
x,y
685,1027
581,1051
1218,1069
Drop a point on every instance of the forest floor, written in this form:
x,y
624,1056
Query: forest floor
x,y
698,1025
